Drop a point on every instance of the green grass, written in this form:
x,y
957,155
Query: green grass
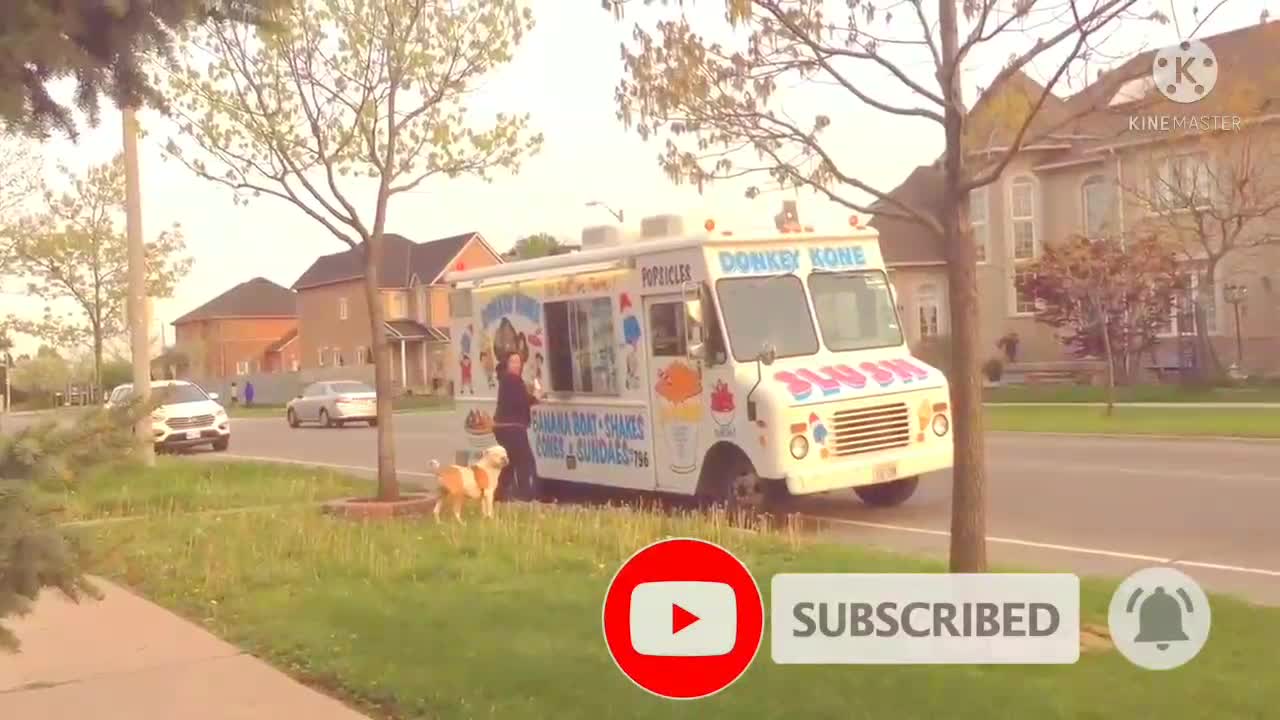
x,y
177,485
1167,393
501,619
1224,422
402,404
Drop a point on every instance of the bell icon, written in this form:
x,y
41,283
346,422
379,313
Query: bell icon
x,y
1160,618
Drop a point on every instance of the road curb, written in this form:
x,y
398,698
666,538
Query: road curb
x,y
1140,436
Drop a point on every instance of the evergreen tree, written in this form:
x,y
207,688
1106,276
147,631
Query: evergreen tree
x,y
34,552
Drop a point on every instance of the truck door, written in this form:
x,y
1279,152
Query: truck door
x,y
675,388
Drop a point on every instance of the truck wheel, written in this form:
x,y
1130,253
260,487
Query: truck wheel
x,y
735,486
890,494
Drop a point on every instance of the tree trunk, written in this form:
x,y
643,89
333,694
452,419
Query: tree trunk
x,y
1210,365
1111,364
388,483
968,494
97,361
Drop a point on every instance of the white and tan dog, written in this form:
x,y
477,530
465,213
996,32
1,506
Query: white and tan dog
x,y
478,482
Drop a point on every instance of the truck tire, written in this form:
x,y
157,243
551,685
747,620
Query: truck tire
x,y
730,482
890,494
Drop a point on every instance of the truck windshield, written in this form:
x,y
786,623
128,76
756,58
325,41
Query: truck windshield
x,y
772,309
855,310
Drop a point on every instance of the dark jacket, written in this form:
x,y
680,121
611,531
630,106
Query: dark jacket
x,y
514,401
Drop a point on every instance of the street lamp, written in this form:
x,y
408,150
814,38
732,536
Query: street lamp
x,y
1236,294
616,213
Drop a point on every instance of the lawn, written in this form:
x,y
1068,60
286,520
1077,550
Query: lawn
x,y
501,619
1166,393
402,404
178,485
1222,422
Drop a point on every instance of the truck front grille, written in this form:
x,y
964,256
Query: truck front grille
x,y
871,429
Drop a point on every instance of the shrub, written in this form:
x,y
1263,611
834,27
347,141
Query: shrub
x,y
993,368
34,552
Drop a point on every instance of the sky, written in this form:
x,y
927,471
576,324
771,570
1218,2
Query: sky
x,y
564,74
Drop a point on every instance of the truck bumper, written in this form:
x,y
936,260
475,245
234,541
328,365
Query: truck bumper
x,y
827,475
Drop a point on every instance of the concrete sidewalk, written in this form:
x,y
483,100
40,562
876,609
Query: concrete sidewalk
x,y
123,658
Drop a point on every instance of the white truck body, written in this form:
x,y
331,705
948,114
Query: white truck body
x,y
649,351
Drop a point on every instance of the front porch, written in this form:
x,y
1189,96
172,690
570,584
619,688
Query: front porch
x,y
418,357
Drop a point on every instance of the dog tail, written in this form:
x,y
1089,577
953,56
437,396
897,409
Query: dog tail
x,y
435,466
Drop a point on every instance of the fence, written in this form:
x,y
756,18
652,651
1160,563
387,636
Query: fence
x,y
279,388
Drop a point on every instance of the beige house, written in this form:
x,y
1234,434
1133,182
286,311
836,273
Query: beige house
x,y
1121,166
333,326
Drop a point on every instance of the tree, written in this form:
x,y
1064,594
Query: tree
x,y
34,553
537,245
1111,299
101,45
1218,197
339,108
43,375
721,111
76,251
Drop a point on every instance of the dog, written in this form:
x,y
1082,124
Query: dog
x,y
478,482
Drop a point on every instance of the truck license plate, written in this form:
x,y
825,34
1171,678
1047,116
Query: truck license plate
x,y
193,434
884,472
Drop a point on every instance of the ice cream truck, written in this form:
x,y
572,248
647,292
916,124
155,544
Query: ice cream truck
x,y
732,367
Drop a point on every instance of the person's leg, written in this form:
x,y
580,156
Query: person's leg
x,y
530,470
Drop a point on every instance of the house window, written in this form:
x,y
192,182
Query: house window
x,y
978,220
581,345
1023,303
1022,214
396,306
1095,201
1181,182
929,310
362,356
342,308
1182,317
242,367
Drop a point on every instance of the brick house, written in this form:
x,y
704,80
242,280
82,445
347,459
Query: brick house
x,y
333,329
1113,167
251,328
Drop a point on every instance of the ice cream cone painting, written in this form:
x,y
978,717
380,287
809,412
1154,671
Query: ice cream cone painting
x,y
679,388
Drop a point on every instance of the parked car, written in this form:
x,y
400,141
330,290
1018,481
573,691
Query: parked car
x,y
334,403
185,415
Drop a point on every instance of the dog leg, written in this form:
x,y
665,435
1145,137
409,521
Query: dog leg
x,y
457,508
436,510
486,503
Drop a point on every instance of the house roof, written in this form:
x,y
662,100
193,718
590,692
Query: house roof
x,y
410,329
905,242
283,341
402,260
256,298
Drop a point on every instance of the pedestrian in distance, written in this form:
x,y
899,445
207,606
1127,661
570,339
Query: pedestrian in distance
x,y
248,393
235,393
511,417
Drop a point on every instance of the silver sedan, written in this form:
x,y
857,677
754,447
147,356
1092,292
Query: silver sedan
x,y
334,403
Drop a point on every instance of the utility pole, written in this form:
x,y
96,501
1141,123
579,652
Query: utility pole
x,y
139,328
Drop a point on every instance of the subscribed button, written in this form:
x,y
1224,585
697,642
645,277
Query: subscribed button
x,y
683,618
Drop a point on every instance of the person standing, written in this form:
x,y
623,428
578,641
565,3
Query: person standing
x,y
511,420
248,393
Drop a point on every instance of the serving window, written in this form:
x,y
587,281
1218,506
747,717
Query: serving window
x,y
581,346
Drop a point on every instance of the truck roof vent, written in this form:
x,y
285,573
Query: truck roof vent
x,y
601,236
660,226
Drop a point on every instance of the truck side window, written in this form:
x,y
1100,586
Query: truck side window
x,y
667,329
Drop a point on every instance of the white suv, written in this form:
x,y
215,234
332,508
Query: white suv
x,y
185,416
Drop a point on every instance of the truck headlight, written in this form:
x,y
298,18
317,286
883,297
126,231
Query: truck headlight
x,y
941,425
799,447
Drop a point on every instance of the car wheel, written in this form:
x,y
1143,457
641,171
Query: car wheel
x,y
890,494
292,417
325,420
222,444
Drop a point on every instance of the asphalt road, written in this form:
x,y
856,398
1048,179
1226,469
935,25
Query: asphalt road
x,y
1094,506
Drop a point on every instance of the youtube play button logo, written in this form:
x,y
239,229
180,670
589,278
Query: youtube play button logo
x,y
683,618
